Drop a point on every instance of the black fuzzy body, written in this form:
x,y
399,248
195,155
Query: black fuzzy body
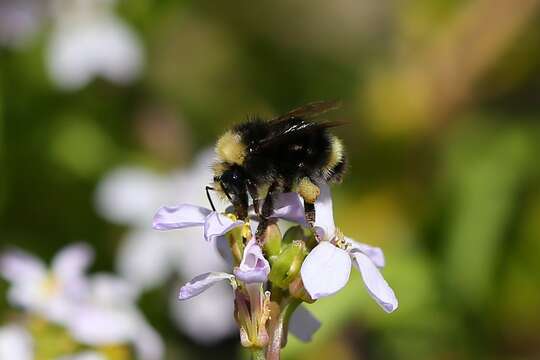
x,y
277,155
288,153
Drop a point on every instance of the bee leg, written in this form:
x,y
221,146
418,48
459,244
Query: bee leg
x,y
252,189
266,211
309,210
240,204
309,192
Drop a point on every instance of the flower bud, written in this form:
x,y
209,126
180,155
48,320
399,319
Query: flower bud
x,y
272,240
300,233
286,266
297,290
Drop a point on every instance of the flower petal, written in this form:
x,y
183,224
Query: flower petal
x,y
18,266
303,324
110,290
374,253
181,216
325,270
15,343
129,195
206,320
86,355
143,258
377,287
217,224
93,324
72,261
224,250
289,206
202,282
148,344
253,268
324,213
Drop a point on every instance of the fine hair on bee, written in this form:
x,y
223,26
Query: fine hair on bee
x,y
261,158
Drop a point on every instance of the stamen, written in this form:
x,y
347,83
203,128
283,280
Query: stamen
x,y
246,231
340,241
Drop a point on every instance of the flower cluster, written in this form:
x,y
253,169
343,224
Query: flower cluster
x,y
272,276
70,315
129,196
87,39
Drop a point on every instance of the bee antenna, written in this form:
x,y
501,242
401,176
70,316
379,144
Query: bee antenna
x,y
209,197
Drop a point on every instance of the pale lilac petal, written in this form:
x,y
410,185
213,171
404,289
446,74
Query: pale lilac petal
x,y
129,195
289,206
181,216
325,270
18,266
148,344
206,320
224,250
324,214
86,355
110,290
16,343
72,261
374,253
98,325
202,282
377,287
254,267
303,324
143,258
104,46
217,224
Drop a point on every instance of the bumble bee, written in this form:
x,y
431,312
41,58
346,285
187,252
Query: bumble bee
x,y
288,153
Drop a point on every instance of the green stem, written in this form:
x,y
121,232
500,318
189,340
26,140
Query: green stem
x,y
258,354
278,335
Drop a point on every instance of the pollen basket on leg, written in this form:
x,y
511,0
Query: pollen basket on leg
x,y
308,190
231,149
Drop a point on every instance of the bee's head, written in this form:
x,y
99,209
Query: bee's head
x,y
232,181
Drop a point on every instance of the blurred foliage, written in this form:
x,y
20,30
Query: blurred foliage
x,y
442,100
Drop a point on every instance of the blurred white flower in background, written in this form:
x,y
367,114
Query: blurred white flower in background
x,y
88,40
50,293
130,196
20,20
15,343
87,355
109,316
97,311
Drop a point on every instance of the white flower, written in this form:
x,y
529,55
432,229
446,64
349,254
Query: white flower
x,y
15,343
327,267
253,269
49,293
109,316
88,40
130,196
182,216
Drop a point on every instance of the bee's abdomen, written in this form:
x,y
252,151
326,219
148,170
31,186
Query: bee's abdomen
x,y
305,156
337,161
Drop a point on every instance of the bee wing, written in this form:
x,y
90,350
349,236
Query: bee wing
x,y
308,111
291,128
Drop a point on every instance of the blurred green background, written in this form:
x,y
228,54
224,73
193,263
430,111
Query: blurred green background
x,y
444,144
